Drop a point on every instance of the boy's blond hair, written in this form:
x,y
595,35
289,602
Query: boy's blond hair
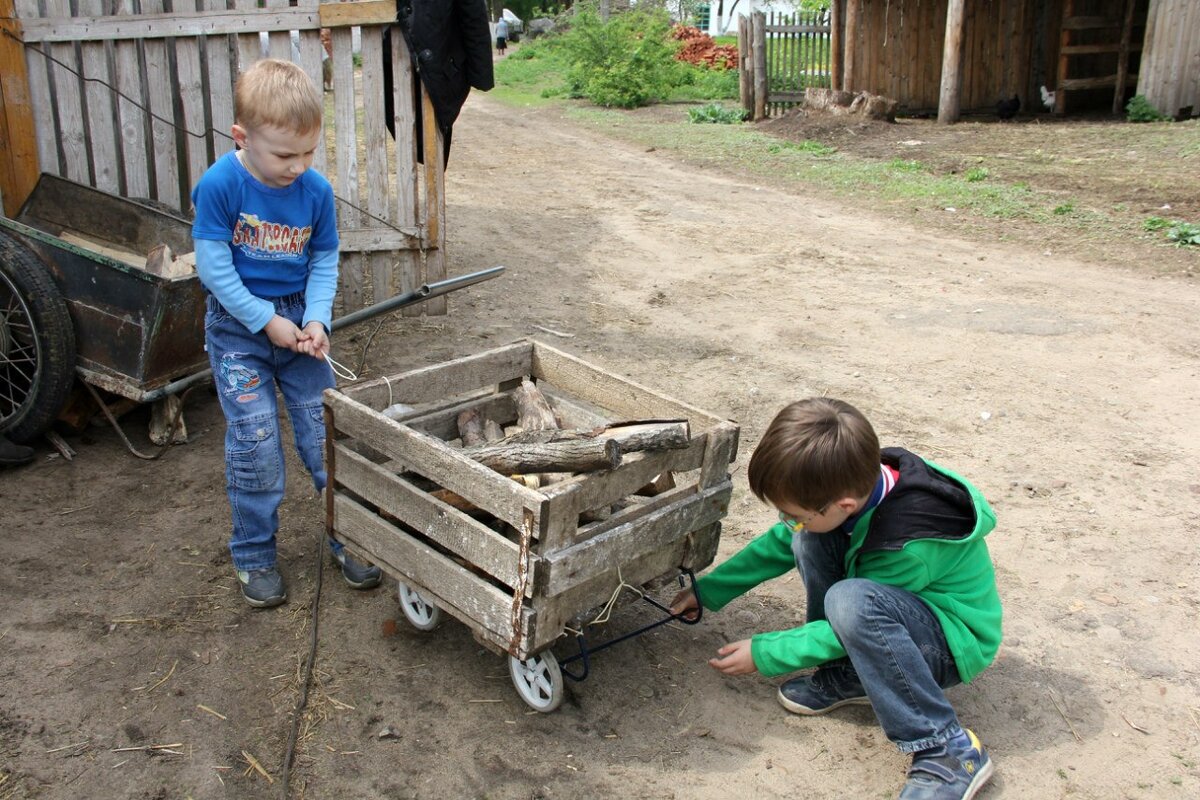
x,y
277,93
815,452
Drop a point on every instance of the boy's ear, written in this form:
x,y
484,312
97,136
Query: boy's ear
x,y
847,504
239,136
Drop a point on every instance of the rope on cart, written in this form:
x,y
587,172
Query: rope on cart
x,y
172,430
607,609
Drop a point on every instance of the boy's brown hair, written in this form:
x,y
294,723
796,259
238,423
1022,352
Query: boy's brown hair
x,y
815,452
278,93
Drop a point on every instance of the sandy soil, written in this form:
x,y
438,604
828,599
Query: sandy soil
x,y
1064,387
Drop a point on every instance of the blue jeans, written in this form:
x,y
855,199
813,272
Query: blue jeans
x,y
247,369
897,651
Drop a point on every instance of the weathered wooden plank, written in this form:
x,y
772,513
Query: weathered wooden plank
x,y
37,68
160,92
408,263
346,155
460,534
440,381
249,46
220,55
721,449
280,41
132,121
626,398
442,422
379,239
311,60
950,99
504,498
363,12
374,135
435,204
69,104
574,413
645,533
101,131
190,87
187,22
693,551
466,596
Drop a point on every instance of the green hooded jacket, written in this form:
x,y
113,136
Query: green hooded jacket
x,y
925,536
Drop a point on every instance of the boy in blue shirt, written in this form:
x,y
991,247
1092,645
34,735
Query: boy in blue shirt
x,y
267,254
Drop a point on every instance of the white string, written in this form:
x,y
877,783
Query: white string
x,y
341,370
389,385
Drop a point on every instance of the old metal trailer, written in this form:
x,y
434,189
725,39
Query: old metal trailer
x,y
523,567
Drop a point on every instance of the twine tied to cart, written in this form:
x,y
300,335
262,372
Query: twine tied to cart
x,y
606,611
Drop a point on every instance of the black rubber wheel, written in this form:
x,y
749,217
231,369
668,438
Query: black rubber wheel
x,y
37,344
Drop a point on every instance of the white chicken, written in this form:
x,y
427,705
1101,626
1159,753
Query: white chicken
x,y
1047,98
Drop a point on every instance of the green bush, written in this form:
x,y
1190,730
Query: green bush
x,y
700,83
976,174
625,62
1184,233
717,114
1138,109
1156,224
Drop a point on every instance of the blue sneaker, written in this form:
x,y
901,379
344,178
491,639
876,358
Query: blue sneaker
x,y
821,692
262,588
953,771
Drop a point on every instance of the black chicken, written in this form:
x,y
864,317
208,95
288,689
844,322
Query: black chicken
x,y
1007,109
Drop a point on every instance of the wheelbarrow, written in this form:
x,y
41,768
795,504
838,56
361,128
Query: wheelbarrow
x,y
78,298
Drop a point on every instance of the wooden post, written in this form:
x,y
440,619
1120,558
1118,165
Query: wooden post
x,y
1123,58
745,65
850,45
18,150
835,44
759,35
949,101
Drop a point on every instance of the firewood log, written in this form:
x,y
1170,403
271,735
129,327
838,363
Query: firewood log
x,y
470,427
533,410
652,435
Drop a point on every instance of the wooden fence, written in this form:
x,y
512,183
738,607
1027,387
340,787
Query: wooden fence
x,y
135,97
781,55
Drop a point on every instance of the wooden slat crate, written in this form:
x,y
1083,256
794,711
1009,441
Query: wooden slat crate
x,y
517,592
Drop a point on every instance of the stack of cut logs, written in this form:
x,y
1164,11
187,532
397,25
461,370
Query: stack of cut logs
x,y
537,451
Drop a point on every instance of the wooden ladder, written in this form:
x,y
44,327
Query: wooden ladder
x,y
1067,50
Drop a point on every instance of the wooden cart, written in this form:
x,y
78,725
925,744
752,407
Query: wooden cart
x,y
520,588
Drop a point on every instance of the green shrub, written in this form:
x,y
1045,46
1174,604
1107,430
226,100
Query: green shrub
x,y
1183,234
700,83
1138,109
717,114
976,174
1064,209
1156,224
627,61
904,165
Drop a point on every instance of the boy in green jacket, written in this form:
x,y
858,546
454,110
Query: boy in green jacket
x,y
902,599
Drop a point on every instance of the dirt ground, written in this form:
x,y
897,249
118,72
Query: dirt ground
x,y
1063,384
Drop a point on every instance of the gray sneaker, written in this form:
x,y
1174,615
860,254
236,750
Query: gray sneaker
x,y
262,588
359,576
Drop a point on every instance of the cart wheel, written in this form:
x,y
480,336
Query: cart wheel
x,y
538,680
37,344
423,614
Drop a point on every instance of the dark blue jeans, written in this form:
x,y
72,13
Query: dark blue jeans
x,y
897,651
247,369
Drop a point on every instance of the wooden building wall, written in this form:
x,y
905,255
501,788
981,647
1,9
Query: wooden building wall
x,y
1170,74
1009,47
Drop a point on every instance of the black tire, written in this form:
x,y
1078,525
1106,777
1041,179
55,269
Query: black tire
x,y
37,344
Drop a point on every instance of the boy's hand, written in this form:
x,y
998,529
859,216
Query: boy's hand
x,y
685,604
317,343
734,659
284,333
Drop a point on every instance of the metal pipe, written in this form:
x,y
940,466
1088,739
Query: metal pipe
x,y
424,292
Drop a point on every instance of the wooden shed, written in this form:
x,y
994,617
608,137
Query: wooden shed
x,y
954,56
